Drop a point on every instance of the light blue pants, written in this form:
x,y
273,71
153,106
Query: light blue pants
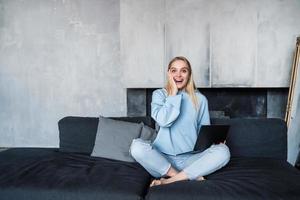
x,y
194,165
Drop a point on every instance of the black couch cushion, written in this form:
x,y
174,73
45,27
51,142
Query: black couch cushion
x,y
40,173
256,137
77,134
242,178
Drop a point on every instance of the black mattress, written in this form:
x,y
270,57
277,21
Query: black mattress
x,y
242,178
44,173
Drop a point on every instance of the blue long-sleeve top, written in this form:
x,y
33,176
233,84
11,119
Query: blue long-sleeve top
x,y
178,120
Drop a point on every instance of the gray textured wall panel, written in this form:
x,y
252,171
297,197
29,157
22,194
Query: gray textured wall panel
x,y
142,43
230,43
188,34
234,26
278,26
57,58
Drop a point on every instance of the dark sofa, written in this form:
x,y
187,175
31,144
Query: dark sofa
x,y
257,169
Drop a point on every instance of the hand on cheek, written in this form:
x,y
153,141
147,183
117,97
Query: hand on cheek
x,y
174,88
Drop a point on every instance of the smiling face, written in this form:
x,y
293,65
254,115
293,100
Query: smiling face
x,y
180,73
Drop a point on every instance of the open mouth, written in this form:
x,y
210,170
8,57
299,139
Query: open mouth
x,y
178,81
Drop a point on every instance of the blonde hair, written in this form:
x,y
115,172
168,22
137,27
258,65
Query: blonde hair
x,y
190,87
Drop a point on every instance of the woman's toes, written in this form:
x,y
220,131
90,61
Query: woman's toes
x,y
155,183
152,183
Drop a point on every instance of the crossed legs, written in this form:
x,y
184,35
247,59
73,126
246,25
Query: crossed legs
x,y
195,165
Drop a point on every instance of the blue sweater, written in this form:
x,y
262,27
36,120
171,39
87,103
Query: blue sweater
x,y
178,120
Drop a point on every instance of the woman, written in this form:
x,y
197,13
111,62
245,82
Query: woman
x,y
180,110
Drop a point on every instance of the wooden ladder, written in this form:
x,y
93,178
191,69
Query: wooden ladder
x,y
293,82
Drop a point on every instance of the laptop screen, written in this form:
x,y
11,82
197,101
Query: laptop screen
x,y
211,134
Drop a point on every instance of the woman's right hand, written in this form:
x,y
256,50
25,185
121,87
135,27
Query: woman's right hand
x,y
173,88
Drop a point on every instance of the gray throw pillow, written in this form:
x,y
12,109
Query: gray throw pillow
x,y
148,133
114,137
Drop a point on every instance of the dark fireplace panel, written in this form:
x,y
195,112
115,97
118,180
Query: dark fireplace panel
x,y
223,102
237,102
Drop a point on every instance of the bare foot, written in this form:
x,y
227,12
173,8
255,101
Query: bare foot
x,y
178,177
171,172
155,182
162,181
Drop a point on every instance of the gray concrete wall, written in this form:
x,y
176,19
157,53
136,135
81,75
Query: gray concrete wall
x,y
142,43
57,58
76,57
188,31
229,43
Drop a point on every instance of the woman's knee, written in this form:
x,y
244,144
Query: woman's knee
x,y
222,153
138,148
